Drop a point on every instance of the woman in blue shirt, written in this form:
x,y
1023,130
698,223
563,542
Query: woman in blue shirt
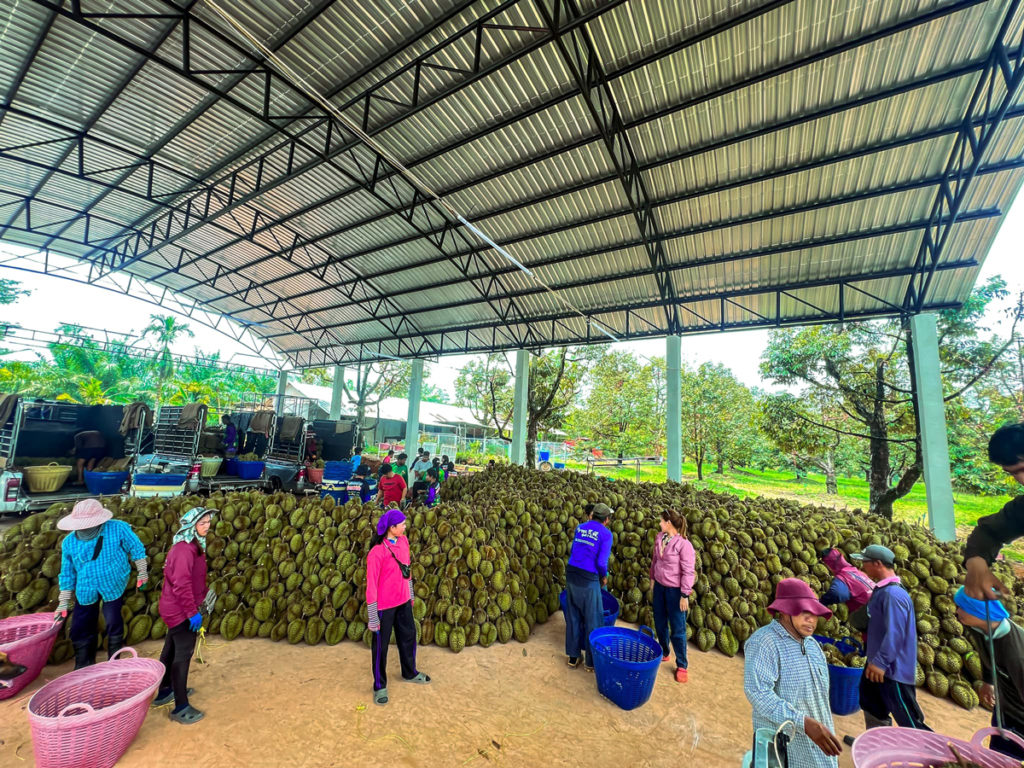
x,y
96,559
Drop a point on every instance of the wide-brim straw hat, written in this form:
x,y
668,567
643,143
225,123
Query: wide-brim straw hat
x,y
87,513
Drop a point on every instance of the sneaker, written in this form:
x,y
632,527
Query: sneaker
x,y
681,675
574,661
664,659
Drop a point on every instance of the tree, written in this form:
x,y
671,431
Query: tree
x,y
372,383
625,405
11,291
715,406
867,370
167,329
484,386
556,378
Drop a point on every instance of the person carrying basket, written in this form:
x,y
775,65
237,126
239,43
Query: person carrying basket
x,y
95,564
182,600
673,567
389,599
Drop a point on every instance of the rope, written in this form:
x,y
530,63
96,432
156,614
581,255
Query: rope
x,y
500,740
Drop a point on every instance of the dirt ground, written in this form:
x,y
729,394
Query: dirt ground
x,y
271,705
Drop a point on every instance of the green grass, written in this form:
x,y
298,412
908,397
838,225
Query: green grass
x,y
853,492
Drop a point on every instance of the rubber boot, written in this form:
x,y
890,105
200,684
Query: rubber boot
x,y
114,644
85,653
870,721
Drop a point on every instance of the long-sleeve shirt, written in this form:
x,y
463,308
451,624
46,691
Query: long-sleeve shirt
x,y
1009,648
385,586
892,631
184,586
673,563
787,679
994,531
92,576
591,546
838,592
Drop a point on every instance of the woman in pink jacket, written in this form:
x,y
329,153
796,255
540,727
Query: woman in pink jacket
x,y
182,595
389,599
672,576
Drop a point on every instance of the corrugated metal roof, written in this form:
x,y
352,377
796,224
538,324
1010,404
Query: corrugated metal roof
x,y
791,154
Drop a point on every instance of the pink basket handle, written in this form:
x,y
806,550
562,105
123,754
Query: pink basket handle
x,y
984,733
135,655
88,709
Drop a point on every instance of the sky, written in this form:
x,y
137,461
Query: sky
x,y
54,301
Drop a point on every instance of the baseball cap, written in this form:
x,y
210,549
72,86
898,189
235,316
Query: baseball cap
x,y
602,512
877,552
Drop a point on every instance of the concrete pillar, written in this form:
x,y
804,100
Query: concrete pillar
x,y
282,385
932,413
519,407
412,421
673,404
336,393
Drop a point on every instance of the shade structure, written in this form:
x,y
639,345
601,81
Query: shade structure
x,y
648,167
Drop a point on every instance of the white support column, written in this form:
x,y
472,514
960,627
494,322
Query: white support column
x,y
932,414
673,403
282,385
412,421
520,405
336,393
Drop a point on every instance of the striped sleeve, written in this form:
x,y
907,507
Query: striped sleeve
x,y
371,614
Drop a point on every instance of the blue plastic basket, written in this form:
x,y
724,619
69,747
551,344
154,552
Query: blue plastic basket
x,y
105,483
545,455
843,682
608,602
251,470
337,470
158,478
340,496
231,467
559,465
626,663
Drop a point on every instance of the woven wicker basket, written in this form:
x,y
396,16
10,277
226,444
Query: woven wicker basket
x,y
46,479
210,466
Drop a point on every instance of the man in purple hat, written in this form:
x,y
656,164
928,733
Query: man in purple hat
x,y
785,677
95,566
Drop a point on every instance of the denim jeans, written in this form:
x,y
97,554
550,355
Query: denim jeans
x,y
666,615
584,613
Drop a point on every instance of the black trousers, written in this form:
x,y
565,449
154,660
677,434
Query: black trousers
x,y
1007,747
399,617
179,643
85,623
889,697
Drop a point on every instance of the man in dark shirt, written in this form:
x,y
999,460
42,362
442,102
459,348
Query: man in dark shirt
x,y
90,447
1008,644
1005,448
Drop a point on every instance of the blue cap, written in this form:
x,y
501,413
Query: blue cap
x,y
877,552
976,608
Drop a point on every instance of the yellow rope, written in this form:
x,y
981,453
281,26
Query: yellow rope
x,y
501,740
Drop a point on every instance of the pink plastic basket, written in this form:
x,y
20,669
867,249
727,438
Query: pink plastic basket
x,y
27,640
906,748
87,718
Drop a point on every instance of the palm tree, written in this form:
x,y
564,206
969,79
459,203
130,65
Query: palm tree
x,y
167,329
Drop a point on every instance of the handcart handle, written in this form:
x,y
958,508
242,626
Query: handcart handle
x,y
70,707
135,655
984,733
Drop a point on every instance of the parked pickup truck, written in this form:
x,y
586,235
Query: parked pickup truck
x,y
38,432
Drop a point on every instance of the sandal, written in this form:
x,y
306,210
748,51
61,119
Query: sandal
x,y
167,698
187,716
381,696
573,662
420,678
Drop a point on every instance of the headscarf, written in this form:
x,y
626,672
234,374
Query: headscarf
x,y
976,608
187,527
389,518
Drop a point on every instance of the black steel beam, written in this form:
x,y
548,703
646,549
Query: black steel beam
x,y
1001,79
694,101
580,57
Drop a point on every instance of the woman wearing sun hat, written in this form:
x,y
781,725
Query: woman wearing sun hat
x,y
389,599
183,594
785,677
96,560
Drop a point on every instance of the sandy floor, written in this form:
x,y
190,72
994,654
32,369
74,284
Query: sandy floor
x,y
274,705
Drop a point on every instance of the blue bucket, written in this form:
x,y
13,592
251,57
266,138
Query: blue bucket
x,y
559,465
843,682
545,455
608,602
339,496
105,483
626,663
250,470
231,467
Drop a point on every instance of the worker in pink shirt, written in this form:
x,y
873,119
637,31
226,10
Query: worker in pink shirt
x,y
672,575
389,599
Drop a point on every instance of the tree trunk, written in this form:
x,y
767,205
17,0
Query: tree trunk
x,y
831,486
700,465
720,470
531,443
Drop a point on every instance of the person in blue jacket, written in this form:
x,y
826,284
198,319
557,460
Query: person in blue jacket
x,y
887,687
585,574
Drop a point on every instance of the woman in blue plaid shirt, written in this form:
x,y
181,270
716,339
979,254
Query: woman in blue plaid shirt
x,y
96,560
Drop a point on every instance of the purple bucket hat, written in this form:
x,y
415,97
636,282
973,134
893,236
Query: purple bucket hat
x,y
793,597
